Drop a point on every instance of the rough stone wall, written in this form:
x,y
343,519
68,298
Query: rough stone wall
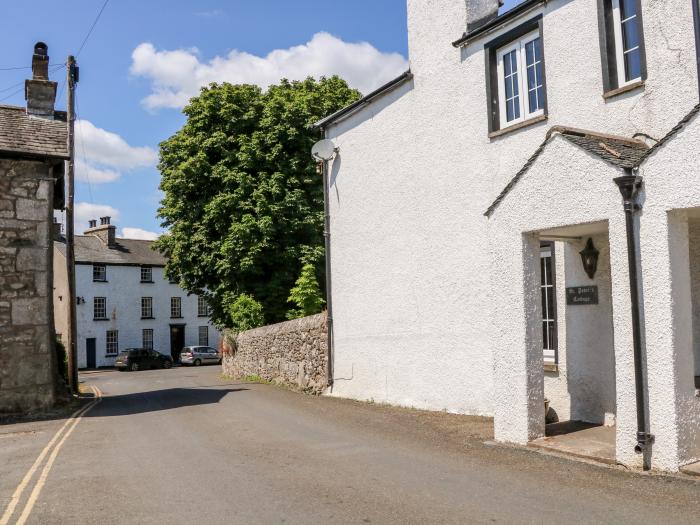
x,y
293,353
27,359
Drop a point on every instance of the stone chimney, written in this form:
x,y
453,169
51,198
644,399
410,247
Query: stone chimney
x,y
106,232
480,12
40,92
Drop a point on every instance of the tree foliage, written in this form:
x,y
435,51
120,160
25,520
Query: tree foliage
x,y
245,313
243,203
306,294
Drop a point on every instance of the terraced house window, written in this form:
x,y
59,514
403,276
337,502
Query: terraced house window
x,y
202,307
147,339
99,308
146,307
203,336
99,273
549,305
146,274
622,43
112,338
175,307
521,80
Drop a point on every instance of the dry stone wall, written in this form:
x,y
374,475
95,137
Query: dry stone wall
x,y
27,361
292,353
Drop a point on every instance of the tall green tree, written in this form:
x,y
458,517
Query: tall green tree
x,y
243,203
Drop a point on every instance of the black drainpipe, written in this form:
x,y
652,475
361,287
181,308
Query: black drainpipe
x,y
629,186
329,295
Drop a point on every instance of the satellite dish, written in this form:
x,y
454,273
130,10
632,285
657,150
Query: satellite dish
x,y
323,150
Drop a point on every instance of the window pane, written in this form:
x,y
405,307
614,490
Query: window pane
x,y
628,8
530,52
633,65
506,65
630,34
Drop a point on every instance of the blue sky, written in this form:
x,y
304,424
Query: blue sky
x,y
144,58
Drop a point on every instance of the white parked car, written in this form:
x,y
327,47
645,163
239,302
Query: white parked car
x,y
199,355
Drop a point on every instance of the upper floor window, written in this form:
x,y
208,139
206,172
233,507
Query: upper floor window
x,y
99,273
516,84
202,307
146,307
521,80
175,307
146,274
112,342
622,43
99,308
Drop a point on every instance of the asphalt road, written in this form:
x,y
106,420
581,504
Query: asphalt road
x,y
184,446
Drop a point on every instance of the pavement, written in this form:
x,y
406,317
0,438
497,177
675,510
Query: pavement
x,y
185,446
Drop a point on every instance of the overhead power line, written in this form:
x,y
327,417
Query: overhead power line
x,y
97,18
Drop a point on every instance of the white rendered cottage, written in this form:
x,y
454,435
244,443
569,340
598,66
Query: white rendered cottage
x,y
463,193
124,299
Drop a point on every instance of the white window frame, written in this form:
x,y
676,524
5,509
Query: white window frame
x,y
147,338
525,113
148,272
99,269
112,343
146,307
175,307
549,354
95,308
619,45
203,330
202,307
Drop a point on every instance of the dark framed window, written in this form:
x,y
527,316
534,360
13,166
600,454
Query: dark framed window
x,y
203,336
99,273
516,84
112,342
175,307
147,339
146,274
146,307
202,307
99,308
621,43
549,303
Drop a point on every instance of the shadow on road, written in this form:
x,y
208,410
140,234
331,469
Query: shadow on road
x,y
156,400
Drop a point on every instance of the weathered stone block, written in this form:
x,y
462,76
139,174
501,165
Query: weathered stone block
x,y
29,259
31,209
32,311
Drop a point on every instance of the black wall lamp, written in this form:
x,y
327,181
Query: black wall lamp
x,y
589,258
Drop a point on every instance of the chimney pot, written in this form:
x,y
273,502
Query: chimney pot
x,y
39,91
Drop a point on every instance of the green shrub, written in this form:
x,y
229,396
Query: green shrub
x,y
245,313
306,294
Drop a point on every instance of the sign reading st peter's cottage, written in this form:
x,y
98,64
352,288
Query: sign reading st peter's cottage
x,y
577,295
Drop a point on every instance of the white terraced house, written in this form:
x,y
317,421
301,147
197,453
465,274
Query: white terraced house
x,y
517,219
125,301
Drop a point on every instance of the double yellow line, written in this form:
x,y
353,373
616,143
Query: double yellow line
x,y
52,451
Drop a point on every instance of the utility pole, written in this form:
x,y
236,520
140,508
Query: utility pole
x,y
72,350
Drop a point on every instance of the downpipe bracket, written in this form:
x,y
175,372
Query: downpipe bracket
x,y
644,441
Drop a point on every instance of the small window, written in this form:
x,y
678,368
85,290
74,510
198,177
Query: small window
x,y
112,339
622,43
99,273
549,303
204,336
146,307
202,307
516,85
147,338
175,307
521,81
146,274
99,308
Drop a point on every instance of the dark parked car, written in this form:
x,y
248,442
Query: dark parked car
x,y
141,359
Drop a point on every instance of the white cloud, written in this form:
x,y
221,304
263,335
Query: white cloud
x,y
101,155
139,233
85,211
177,75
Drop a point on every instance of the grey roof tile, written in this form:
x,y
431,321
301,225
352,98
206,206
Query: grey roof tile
x,y
21,134
90,249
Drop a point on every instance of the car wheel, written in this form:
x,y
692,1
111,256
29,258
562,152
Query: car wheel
x,y
134,367
167,364
197,362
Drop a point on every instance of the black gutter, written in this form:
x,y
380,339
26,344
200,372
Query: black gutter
x,y
321,124
502,19
629,186
329,296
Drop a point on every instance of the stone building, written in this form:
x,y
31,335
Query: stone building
x,y
33,149
125,301
478,197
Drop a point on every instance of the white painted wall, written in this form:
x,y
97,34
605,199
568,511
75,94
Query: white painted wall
x,y
416,171
123,291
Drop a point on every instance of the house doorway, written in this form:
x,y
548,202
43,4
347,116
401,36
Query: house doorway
x,y
177,341
91,352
